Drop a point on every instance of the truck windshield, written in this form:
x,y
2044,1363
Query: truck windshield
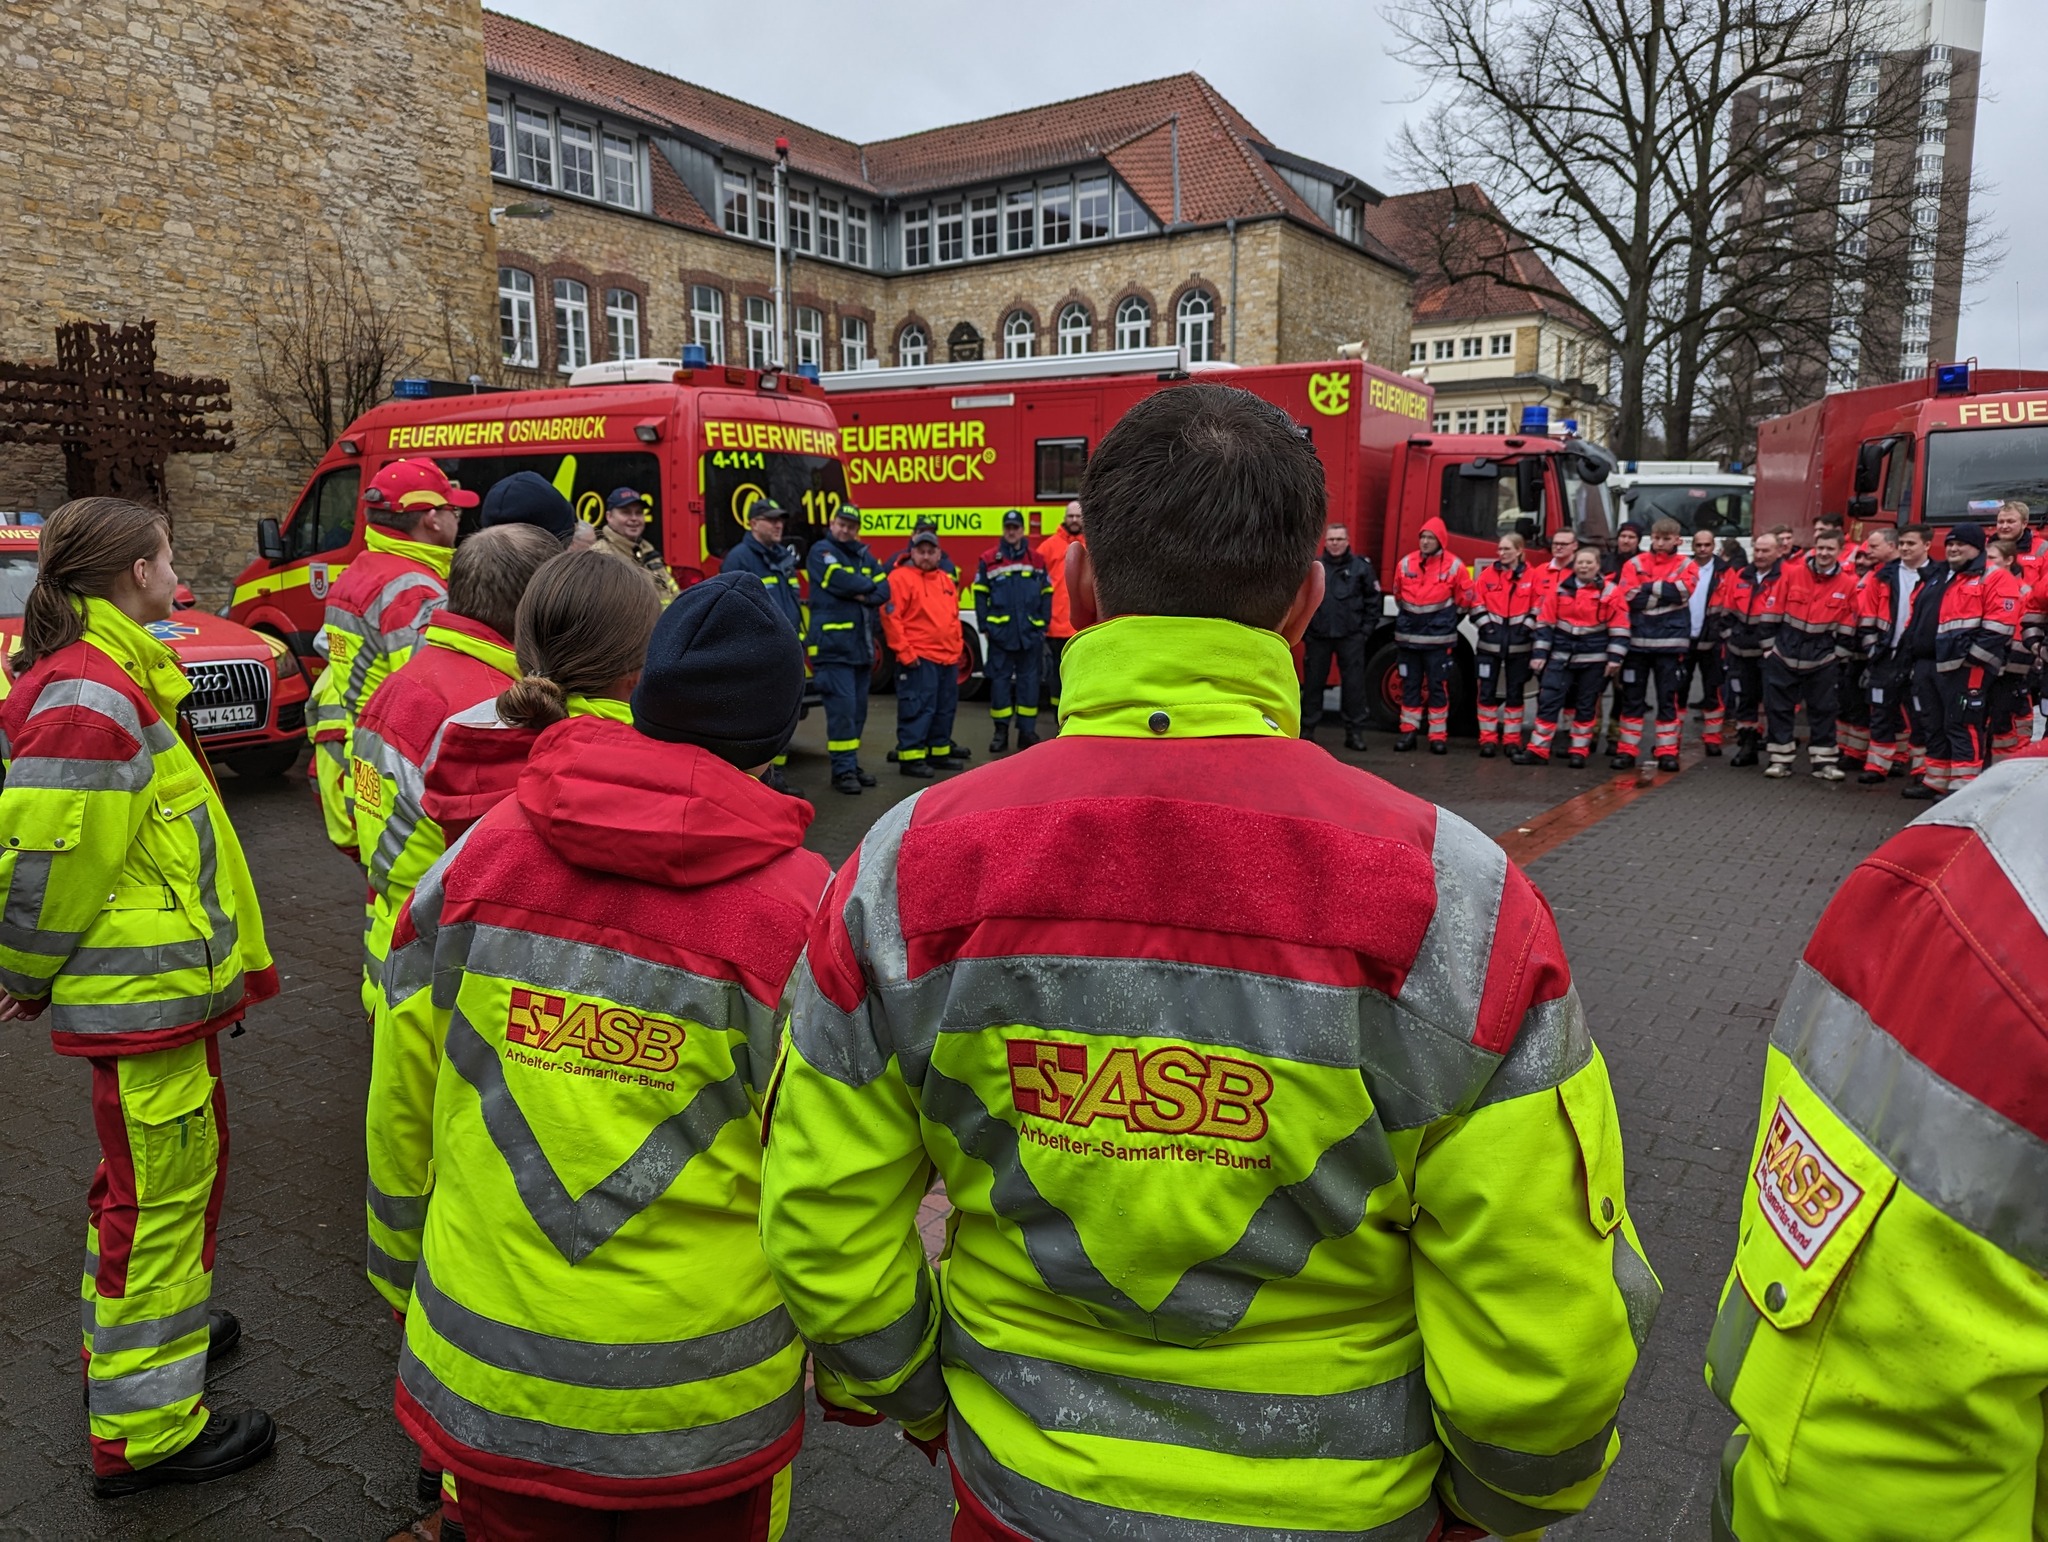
x,y
1966,465
586,480
1695,505
810,489
1479,500
17,577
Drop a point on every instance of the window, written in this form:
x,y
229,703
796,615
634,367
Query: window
x,y
799,221
952,232
1132,217
1056,214
857,235
853,343
1347,222
501,141
1017,217
1468,348
518,332
1194,325
1075,328
810,336
572,325
982,223
737,221
1133,323
533,142
828,227
1500,344
764,210
1018,335
1496,420
579,160
760,332
912,346
1417,352
1468,420
707,322
1091,209
622,322
1060,464
917,238
1445,347
1477,500
326,517
1440,423
621,171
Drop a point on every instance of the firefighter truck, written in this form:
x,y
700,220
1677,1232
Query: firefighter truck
x,y
1916,452
962,443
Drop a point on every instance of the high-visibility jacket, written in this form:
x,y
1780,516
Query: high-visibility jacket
x,y
1583,623
128,904
1817,627
1750,604
459,663
476,758
1505,601
2005,606
847,586
1012,595
1060,620
1268,1217
1430,593
564,1133
922,618
1962,637
1547,576
1657,587
1883,1336
780,572
327,728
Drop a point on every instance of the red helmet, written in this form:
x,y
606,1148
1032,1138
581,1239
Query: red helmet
x,y
416,484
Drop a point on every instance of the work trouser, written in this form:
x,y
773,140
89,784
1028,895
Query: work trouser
x,y
1426,683
759,1513
1953,702
152,1209
1745,692
1889,684
1640,674
1503,683
1706,663
844,690
1049,683
1852,715
1785,689
927,693
2009,723
1563,685
1316,656
1013,686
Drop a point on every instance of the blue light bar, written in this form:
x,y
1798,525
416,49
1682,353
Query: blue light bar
x,y
1536,420
1952,379
809,372
409,388
695,356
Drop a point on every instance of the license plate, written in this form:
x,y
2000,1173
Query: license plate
x,y
240,715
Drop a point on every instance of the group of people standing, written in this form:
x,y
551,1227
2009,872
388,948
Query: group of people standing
x,y
1903,666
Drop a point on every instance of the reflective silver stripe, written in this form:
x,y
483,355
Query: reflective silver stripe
x,y
629,1366
95,696
1390,1419
1552,1046
1527,1472
413,967
1970,1162
409,784
153,958
2003,807
142,1016
877,1356
837,1044
111,1338
922,1394
1495,1511
49,773
400,1212
141,1391
578,1227
1735,1325
646,1454
1724,1490
391,1270
1038,1511
1641,1295
21,922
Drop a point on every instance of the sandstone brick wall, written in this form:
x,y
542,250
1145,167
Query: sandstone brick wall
x,y
172,159
1329,295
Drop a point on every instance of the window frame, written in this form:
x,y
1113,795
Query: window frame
x,y
1418,353
1055,214
584,138
798,208
523,333
737,194
810,341
766,221
610,153
1496,420
1073,324
572,324
498,121
917,237
1058,453
1500,344
911,337
829,227
857,247
621,306
1470,348
985,225
1186,322
1132,217
1127,325
852,355
707,324
949,217
1094,190
1443,349
1018,327
526,136
758,319
1020,217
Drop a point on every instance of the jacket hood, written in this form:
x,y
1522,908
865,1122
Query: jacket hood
x,y
1435,526
607,798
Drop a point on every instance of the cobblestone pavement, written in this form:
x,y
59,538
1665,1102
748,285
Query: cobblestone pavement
x,y
1683,913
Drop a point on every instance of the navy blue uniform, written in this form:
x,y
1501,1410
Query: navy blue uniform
x,y
848,586
1013,603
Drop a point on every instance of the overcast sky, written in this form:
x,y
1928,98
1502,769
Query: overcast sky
x,y
1314,77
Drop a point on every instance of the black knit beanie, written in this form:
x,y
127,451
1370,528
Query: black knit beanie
x,y
725,672
528,498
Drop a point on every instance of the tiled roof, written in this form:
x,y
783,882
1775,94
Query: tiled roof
x,y
673,200
1222,173
1426,232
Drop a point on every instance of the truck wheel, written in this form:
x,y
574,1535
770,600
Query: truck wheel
x,y
1383,687
266,761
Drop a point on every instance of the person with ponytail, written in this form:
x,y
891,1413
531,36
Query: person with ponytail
x,y
131,919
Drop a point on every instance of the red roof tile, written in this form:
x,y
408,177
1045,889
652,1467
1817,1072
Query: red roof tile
x,y
1426,231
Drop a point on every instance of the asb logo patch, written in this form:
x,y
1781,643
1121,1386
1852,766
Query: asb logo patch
x,y
1804,1195
1172,1091
369,785
556,1025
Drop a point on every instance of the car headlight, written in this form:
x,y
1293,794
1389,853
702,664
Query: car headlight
x,y
282,659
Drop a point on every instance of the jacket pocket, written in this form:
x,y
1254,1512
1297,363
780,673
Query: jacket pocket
x,y
173,1136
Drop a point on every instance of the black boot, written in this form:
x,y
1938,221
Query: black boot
x,y
1405,743
999,741
229,1443
1918,792
919,769
1621,762
1354,739
1488,749
1439,747
1745,750
1667,762
1026,737
864,776
849,782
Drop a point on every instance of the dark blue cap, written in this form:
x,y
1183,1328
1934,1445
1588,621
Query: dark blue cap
x,y
725,672
528,498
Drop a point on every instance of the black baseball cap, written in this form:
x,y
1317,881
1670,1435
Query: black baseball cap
x,y
1013,517
925,538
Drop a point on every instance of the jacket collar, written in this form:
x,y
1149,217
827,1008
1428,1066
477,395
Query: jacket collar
x,y
460,634
610,708
435,557
1178,677
145,660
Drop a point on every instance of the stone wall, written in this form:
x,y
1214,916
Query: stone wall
x,y
178,160
1329,295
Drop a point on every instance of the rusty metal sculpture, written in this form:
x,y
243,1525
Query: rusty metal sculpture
x,y
115,415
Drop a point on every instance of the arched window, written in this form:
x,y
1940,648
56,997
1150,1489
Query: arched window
x,y
1019,336
572,325
912,346
622,321
1075,328
1194,325
1133,323
518,333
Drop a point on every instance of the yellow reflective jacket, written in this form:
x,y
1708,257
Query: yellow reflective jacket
x,y
327,728
127,900
1286,1180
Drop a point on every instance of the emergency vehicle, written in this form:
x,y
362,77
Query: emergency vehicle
x,y
1696,493
248,701
1915,452
962,443
703,443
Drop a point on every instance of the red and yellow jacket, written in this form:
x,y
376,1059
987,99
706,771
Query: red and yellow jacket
x,y
1430,593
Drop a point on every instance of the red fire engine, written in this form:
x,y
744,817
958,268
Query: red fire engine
x,y
962,443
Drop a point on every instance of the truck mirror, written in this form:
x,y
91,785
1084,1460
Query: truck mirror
x,y
1870,464
1529,485
269,541
1863,505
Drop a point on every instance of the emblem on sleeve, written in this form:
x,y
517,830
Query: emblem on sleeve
x,y
1804,1195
